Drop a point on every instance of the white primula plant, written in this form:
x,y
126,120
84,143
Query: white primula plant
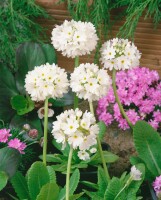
x,y
46,81
74,38
89,82
119,54
78,129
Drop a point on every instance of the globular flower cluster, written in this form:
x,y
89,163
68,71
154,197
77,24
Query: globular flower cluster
x,y
139,90
78,129
74,38
119,54
157,186
46,81
12,143
89,82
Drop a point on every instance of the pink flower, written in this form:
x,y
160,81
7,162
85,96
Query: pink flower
x,y
17,144
4,135
157,185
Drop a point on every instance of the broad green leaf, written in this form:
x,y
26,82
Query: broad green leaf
x,y
102,182
60,167
50,53
102,129
76,196
37,177
90,185
19,184
9,160
55,158
7,90
109,158
74,180
65,152
52,174
147,142
93,195
50,191
3,179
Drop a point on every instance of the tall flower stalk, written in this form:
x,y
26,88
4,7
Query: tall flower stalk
x,y
75,96
45,130
118,100
100,147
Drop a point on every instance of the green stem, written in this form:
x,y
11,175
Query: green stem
x,y
118,100
45,131
100,148
127,183
68,173
75,96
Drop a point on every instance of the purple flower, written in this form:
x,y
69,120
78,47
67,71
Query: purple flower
x,y
139,90
4,135
157,185
17,144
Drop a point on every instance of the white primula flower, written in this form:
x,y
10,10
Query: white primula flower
x,y
46,81
83,155
119,54
89,82
77,129
41,112
93,150
74,38
135,173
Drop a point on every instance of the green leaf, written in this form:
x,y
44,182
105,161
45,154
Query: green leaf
x,y
52,174
109,158
74,180
9,158
28,56
102,182
19,184
147,142
55,158
65,152
37,177
50,191
93,195
7,90
90,185
3,179
102,129
76,196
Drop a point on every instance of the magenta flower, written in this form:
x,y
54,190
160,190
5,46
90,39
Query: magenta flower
x,y
17,144
157,185
4,135
139,90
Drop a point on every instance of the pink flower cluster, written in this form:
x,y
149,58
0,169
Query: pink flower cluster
x,y
157,185
139,90
12,143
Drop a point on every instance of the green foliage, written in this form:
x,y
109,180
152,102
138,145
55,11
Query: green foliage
x,y
20,186
73,183
147,142
102,129
52,174
18,25
37,177
9,158
50,191
76,196
4,179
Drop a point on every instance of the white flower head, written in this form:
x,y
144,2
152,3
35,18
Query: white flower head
x,y
135,173
41,112
76,129
46,81
119,54
89,82
83,155
74,38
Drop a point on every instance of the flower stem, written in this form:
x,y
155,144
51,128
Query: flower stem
x,y
75,96
68,173
127,183
118,100
100,148
45,131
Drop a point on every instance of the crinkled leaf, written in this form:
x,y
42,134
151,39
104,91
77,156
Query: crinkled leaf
x,y
37,177
102,182
3,179
102,129
90,185
76,196
9,160
147,142
19,184
52,174
50,191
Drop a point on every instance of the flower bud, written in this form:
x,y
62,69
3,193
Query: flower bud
x,y
33,133
41,142
26,127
